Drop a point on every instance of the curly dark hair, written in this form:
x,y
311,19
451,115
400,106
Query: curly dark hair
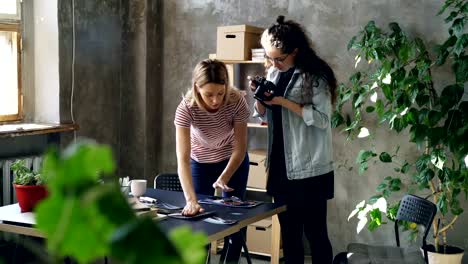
x,y
288,36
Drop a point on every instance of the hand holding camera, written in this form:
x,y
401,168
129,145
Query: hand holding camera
x,y
263,89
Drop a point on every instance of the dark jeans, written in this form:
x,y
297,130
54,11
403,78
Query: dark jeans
x,y
306,214
204,175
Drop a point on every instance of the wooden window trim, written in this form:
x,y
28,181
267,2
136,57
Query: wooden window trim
x,y
15,27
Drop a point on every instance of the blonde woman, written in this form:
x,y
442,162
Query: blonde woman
x,y
211,141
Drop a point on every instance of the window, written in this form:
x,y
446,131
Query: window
x,y
10,64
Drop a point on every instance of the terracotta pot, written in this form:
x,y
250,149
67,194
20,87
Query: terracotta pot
x,y
452,255
29,196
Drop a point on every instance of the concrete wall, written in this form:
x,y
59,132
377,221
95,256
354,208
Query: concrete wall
x,y
116,77
135,58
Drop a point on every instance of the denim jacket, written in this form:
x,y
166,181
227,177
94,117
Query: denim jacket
x,y
307,139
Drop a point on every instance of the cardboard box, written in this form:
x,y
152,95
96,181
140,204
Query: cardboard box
x,y
236,42
257,171
259,236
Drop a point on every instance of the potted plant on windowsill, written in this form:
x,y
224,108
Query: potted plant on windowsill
x,y
29,186
397,88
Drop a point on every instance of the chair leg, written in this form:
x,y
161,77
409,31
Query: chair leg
x,y
208,256
246,250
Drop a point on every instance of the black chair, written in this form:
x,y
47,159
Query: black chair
x,y
413,209
168,181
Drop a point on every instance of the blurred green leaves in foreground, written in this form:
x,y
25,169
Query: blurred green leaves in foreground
x,y
86,217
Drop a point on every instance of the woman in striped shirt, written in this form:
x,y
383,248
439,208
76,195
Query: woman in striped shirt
x,y
211,141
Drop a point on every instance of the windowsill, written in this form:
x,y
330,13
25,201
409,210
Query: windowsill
x,y
28,129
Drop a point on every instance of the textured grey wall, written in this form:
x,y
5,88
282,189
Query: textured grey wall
x,y
134,59
117,77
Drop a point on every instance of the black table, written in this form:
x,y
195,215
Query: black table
x,y
13,221
244,216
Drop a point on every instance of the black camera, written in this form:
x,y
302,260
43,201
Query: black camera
x,y
263,85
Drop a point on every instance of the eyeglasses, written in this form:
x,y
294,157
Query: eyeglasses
x,y
277,60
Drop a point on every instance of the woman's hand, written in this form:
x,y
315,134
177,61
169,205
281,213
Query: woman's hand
x,y
221,183
277,100
192,208
252,86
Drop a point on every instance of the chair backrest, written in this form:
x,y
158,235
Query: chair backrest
x,y
168,181
417,210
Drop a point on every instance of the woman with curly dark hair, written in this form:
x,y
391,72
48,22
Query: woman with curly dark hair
x,y
300,157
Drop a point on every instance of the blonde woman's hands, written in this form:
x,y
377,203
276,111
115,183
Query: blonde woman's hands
x,y
221,183
192,208
251,84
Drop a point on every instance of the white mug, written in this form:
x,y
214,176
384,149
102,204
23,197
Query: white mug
x,y
138,187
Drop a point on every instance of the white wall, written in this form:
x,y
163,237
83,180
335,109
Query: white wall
x,y
46,72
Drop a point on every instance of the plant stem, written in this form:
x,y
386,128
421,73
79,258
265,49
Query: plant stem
x,y
449,225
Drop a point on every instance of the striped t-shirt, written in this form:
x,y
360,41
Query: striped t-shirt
x,y
211,134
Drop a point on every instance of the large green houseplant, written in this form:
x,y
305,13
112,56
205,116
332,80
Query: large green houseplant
x,y
86,216
395,89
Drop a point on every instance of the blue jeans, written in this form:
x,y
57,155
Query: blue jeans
x,y
204,175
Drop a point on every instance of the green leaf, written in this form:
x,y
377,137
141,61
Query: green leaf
x,y
381,187
434,117
386,193
422,99
419,43
452,15
351,42
370,109
442,203
423,162
411,116
379,107
392,211
418,133
403,53
363,167
191,245
386,67
461,44
75,222
443,8
458,26
395,185
385,157
355,78
387,91
376,219
337,119
427,175
359,100
450,96
399,124
364,155
461,69
405,167
374,198
141,241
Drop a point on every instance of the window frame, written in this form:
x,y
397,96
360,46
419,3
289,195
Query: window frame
x,y
9,17
15,27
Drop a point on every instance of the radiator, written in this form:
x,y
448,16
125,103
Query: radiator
x,y
8,195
